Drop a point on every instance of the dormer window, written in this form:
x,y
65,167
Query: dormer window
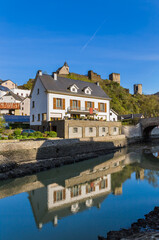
x,y
74,88
87,90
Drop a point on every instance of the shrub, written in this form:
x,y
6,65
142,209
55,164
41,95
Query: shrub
x,y
17,132
31,135
47,133
38,134
10,137
25,134
4,138
19,137
52,134
24,137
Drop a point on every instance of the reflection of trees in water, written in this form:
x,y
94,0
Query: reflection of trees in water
x,y
152,177
119,178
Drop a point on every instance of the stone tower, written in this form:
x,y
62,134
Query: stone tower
x,y
115,77
64,69
138,89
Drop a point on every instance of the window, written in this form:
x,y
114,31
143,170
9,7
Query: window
x,y
87,90
74,104
102,107
38,117
115,129
110,114
90,187
22,108
37,91
75,191
21,94
32,118
59,195
27,95
104,184
103,129
59,103
33,104
90,130
74,88
44,117
75,130
17,93
89,105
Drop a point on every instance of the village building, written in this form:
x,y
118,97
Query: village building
x,y
113,115
21,92
3,91
136,116
8,83
25,107
10,103
56,101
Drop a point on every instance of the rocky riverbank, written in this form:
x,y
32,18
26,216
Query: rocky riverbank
x,y
147,228
18,159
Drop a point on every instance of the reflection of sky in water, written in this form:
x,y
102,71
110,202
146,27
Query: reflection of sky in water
x,y
116,211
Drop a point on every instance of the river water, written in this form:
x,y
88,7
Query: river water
x,y
82,200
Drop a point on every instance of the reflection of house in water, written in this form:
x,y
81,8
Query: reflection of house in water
x,y
54,201
77,193
61,192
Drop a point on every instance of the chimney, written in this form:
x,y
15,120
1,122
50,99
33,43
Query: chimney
x,y
97,83
39,72
54,75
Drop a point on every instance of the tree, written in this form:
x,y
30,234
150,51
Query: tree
x,y
2,124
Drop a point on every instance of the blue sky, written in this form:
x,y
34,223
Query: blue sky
x,y
105,36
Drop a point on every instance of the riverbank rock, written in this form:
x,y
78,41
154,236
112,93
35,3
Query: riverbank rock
x,y
147,228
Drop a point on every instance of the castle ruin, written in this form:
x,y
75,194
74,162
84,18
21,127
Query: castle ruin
x,y
138,89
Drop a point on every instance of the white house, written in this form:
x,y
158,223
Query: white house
x,y
25,107
54,97
10,103
56,201
113,115
21,92
8,83
3,91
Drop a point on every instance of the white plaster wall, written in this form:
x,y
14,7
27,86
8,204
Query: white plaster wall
x,y
9,84
113,116
75,135
2,93
25,107
68,199
21,92
114,133
90,134
8,99
40,103
101,133
104,115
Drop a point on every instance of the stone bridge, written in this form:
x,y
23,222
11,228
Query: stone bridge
x,y
147,124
